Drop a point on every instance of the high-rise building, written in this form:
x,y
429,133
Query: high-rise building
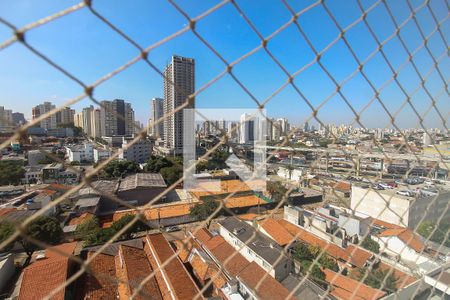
x,y
117,118
179,84
65,116
41,109
306,127
6,120
86,114
284,126
18,118
96,123
247,129
157,113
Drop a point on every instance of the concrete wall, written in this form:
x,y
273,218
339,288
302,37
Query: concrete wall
x,y
7,270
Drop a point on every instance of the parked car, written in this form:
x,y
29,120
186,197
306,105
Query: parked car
x,y
404,193
173,228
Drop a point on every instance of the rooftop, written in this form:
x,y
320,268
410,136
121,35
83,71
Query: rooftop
x,y
406,236
141,180
209,188
255,240
87,202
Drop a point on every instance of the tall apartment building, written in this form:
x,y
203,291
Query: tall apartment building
x,y
6,120
41,109
117,118
18,118
179,83
96,124
157,112
65,116
247,129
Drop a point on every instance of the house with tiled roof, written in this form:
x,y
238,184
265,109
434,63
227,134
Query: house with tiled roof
x,y
408,246
45,277
122,270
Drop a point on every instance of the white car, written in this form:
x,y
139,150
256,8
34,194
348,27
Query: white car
x,y
404,193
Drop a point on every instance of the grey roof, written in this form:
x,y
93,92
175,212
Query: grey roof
x,y
98,187
17,215
259,243
88,202
36,168
113,249
69,228
306,290
142,180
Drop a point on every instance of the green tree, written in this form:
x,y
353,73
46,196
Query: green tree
x,y
156,163
86,228
370,245
123,221
11,172
203,210
99,236
375,278
6,230
201,166
172,174
276,190
302,252
44,229
120,168
328,263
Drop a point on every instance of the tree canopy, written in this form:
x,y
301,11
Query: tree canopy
x,y
44,229
370,245
120,168
11,172
276,190
6,230
203,210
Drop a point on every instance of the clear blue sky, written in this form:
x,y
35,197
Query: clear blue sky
x,y
88,49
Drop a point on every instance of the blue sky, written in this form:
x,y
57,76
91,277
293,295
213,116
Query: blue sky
x,y
88,49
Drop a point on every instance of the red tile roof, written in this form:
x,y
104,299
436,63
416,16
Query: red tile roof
x,y
47,274
345,287
202,234
264,285
352,254
277,232
406,236
81,219
175,275
100,282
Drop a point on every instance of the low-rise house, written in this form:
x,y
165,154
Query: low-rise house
x,y
33,174
47,273
128,264
408,246
80,153
255,247
141,188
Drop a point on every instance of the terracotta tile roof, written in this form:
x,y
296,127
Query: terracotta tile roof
x,y
100,282
134,267
203,235
5,211
249,217
232,261
269,288
180,283
47,192
218,278
200,267
184,247
342,186
357,258
244,201
345,287
277,232
385,224
59,187
214,242
207,188
47,274
406,236
81,219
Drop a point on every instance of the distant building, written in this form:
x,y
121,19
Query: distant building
x,y
179,84
96,123
41,109
80,153
101,154
139,152
18,118
247,129
387,205
56,173
157,113
6,120
35,157
65,116
117,118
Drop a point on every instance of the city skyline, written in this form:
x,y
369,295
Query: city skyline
x,y
233,38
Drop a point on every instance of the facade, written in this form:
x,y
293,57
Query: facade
x,y
96,124
179,84
116,118
247,129
255,247
157,113
65,116
388,206
18,118
35,156
41,109
101,154
80,153
6,120
138,152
